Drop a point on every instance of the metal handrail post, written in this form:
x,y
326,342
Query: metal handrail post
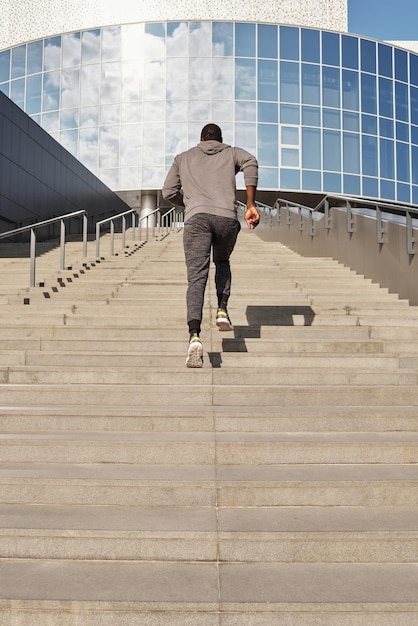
x,y
147,227
98,240
62,245
32,257
85,227
112,238
410,239
133,226
123,231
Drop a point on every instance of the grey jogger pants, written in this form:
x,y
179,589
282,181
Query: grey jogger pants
x,y
203,233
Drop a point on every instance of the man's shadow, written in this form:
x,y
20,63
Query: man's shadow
x,y
258,316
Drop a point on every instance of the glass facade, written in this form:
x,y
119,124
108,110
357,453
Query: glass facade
x,y
323,111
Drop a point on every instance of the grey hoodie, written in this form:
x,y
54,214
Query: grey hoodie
x,y
206,174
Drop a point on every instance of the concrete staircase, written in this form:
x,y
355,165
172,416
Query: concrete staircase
x,y
276,486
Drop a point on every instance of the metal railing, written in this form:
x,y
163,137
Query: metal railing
x,y
33,227
111,220
382,212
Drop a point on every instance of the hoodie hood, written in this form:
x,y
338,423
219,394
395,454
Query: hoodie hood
x,y
211,146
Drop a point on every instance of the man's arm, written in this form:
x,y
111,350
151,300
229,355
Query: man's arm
x,y
172,186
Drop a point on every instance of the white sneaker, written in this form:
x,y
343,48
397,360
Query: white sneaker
x,y
222,320
195,353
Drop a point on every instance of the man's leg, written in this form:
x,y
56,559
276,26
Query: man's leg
x,y
226,232
197,242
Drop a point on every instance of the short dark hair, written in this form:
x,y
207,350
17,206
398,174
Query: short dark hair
x,y
211,131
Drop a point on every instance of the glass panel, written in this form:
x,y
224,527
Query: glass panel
x,y
177,39
245,111
89,147
385,60
413,69
311,149
222,39
90,46
403,193
414,156
289,82
110,114
268,80
4,66
268,144
199,111
177,78
386,127
268,112
154,80
267,41
89,116
199,85
34,57
111,43
369,155
5,88
332,151
402,162
130,144
176,140
51,122
331,87
69,139
370,187
311,181
177,110
51,91
154,41
245,137
332,182
330,49
18,61
133,42
222,111
401,101
401,65
111,83
311,116
52,53
268,178
289,43
414,135
71,49
289,136
368,56
130,177
69,119
310,84
289,179
289,114
387,190
350,81
402,131
331,118
90,85
351,185
368,93
387,162
244,40
351,153
245,86
110,177
351,121
369,124
109,146
70,88
290,157
414,105
132,81
350,52
385,97
200,39
33,94
223,79
310,45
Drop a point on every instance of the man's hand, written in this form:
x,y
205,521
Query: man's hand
x,y
252,217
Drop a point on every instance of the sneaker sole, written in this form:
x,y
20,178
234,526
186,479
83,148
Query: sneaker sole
x,y
224,325
195,356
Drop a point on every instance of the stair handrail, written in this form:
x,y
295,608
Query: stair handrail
x,y
112,219
167,219
146,217
33,227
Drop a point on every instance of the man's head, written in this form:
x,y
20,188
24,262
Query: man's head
x,y
211,131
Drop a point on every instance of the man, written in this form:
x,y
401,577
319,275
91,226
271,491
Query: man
x,y
202,180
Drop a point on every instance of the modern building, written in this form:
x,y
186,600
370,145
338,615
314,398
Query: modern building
x,y
125,86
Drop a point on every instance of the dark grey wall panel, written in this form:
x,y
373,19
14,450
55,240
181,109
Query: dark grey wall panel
x,y
39,179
